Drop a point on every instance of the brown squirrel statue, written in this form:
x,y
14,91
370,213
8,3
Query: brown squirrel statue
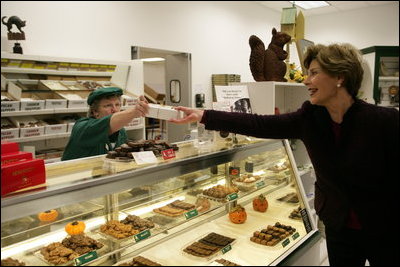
x,y
268,64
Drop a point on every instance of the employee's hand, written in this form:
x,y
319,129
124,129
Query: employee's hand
x,y
192,115
142,107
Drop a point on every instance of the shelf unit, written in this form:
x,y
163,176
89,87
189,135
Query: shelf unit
x,y
381,70
108,195
55,72
128,75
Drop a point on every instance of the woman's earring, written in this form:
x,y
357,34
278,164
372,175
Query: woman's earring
x,y
338,85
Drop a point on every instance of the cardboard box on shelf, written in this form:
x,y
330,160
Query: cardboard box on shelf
x,y
51,85
14,63
8,131
74,66
52,100
73,85
9,134
31,131
63,66
54,126
9,103
25,84
52,65
29,126
76,99
27,64
31,101
129,99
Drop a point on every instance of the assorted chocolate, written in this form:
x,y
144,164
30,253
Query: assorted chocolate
x,y
140,261
118,229
248,178
295,214
272,235
175,208
57,254
289,198
138,223
81,243
220,191
208,245
226,262
12,262
123,152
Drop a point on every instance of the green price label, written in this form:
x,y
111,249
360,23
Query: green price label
x,y
86,258
295,236
285,242
226,249
191,214
260,184
232,196
142,235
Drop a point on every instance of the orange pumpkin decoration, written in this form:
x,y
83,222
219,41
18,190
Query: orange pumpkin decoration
x,y
48,216
260,203
238,215
75,228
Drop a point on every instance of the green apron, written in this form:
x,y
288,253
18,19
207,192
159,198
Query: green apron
x,y
89,137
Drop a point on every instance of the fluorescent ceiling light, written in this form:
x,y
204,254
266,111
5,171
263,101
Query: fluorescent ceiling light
x,y
153,59
310,4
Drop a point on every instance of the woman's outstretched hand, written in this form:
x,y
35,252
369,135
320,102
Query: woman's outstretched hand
x,y
192,115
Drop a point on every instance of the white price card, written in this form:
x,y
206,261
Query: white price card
x,y
144,157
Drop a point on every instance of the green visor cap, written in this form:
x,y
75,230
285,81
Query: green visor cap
x,y
106,91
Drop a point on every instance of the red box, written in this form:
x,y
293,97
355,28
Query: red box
x,y
14,157
9,147
20,175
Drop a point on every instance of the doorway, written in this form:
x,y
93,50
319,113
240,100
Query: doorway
x,y
168,80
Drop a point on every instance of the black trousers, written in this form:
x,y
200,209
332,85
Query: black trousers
x,y
350,247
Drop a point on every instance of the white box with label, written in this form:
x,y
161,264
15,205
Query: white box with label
x,y
164,112
11,133
55,129
32,131
7,106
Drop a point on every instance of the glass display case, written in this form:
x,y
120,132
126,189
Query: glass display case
x,y
198,208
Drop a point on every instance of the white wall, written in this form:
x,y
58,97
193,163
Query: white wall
x,y
215,33
373,26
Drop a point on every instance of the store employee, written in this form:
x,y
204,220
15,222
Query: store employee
x,y
102,130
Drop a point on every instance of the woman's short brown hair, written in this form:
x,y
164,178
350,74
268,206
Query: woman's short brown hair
x,y
338,60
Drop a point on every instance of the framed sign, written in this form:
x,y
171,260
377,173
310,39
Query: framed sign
x,y
302,45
